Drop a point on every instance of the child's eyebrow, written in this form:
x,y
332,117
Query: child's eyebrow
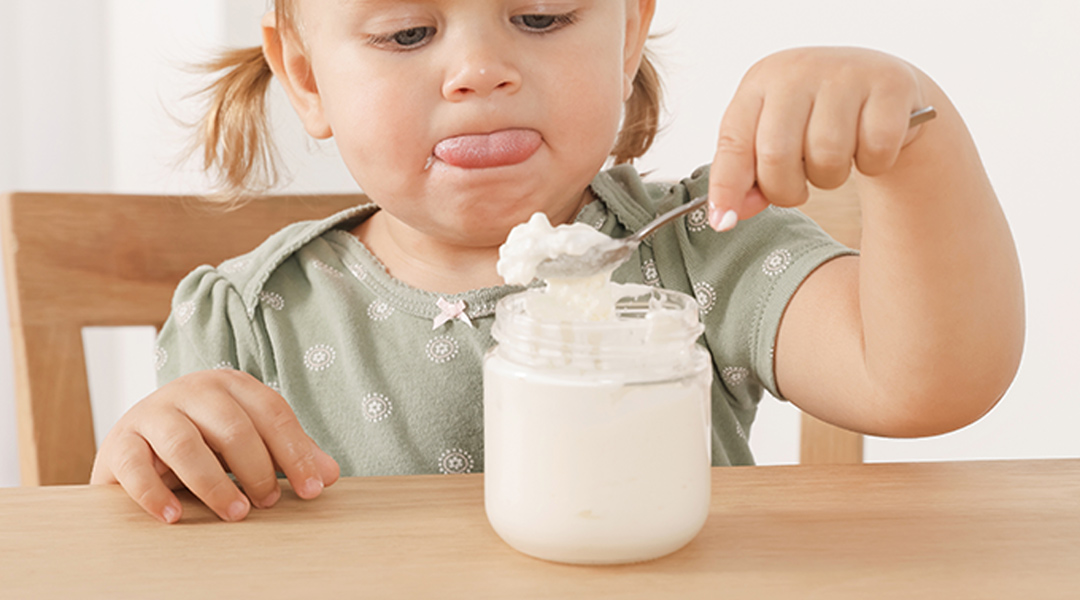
x,y
361,5
383,3
364,3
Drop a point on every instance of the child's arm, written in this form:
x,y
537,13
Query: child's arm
x,y
923,333
191,429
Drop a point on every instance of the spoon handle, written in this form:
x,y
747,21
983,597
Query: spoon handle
x,y
921,116
668,217
917,118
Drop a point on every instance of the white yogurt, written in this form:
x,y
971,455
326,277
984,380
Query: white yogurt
x,y
596,418
534,241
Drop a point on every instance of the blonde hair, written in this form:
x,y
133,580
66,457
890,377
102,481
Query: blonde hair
x,y
238,150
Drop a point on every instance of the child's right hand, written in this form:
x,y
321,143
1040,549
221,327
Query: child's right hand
x,y
188,432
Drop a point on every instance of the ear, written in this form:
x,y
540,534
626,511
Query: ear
x,y
639,16
289,62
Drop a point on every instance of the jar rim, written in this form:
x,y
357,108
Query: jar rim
x,y
656,314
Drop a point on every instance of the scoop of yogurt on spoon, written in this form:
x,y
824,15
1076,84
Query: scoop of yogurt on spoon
x,y
536,240
589,297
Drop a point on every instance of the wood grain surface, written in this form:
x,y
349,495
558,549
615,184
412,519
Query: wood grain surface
x,y
1007,529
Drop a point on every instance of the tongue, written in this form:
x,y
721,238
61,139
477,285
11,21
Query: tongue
x,y
499,149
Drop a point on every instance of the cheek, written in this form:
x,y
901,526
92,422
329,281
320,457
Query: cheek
x,y
590,108
371,119
590,80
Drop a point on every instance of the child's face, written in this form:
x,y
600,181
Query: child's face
x,y
395,79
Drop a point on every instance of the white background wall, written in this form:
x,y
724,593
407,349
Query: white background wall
x,y
90,89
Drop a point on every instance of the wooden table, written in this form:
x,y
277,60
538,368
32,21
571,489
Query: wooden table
x,y
933,530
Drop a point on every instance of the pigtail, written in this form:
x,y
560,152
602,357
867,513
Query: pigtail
x,y
234,136
641,120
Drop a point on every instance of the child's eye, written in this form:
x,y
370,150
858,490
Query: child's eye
x,y
406,39
543,23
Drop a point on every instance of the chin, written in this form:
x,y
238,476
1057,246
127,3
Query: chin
x,y
493,233
497,213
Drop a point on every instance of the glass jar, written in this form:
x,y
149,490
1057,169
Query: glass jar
x,y
597,433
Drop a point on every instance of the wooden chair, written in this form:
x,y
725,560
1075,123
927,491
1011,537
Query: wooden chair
x,y
83,260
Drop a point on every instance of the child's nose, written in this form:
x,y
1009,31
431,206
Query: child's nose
x,y
481,72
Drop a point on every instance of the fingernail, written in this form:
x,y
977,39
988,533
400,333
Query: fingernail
x,y
714,216
237,510
724,223
312,487
271,498
170,514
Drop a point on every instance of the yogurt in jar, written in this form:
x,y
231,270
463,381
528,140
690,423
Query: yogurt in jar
x,y
596,414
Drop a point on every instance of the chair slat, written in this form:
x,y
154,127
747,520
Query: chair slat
x,y
56,434
838,213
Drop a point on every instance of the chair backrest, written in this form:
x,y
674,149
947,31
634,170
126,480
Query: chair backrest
x,y
84,260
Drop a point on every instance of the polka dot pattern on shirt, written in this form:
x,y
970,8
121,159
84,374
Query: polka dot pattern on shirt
x,y
379,311
739,429
234,267
777,261
697,220
358,271
183,312
455,461
161,358
442,349
705,296
376,407
272,300
735,376
319,357
327,269
649,273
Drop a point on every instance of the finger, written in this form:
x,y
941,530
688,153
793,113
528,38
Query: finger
x,y
229,431
329,469
753,203
831,138
781,132
132,467
181,446
169,478
290,446
883,126
732,174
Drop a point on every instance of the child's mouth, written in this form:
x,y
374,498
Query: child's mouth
x,y
484,151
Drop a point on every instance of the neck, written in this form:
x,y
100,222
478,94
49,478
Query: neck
x,y
425,263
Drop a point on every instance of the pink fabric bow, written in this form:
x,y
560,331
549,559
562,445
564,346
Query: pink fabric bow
x,y
450,311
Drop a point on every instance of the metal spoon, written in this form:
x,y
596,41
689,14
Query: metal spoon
x,y
607,257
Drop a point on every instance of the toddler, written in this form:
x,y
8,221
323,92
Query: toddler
x,y
353,345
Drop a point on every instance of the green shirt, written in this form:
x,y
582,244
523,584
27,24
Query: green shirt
x,y
314,315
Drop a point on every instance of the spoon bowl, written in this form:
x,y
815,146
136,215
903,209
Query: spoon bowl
x,y
607,257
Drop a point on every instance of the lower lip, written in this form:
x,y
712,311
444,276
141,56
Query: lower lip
x,y
484,151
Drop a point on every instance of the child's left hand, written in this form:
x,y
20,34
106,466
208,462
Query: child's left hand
x,y
804,115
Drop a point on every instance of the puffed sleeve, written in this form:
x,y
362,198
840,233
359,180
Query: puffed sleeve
x,y
210,327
